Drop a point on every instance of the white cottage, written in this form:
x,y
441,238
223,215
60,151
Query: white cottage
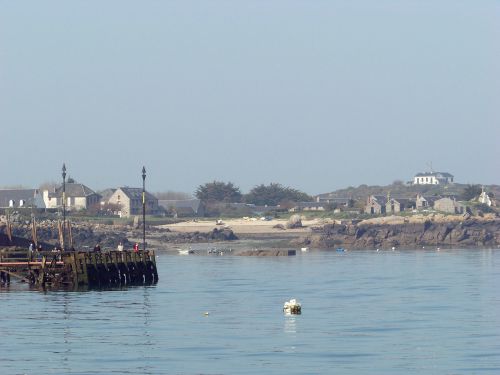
x,y
433,178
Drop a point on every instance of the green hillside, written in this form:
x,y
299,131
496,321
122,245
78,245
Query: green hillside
x,y
401,190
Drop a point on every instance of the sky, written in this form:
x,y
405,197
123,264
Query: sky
x,y
316,95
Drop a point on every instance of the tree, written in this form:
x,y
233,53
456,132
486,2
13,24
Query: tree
x,y
274,194
471,192
172,195
218,191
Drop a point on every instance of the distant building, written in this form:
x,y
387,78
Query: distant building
x,y
328,198
376,204
78,197
449,205
183,207
433,178
395,205
245,209
308,206
484,198
422,203
16,198
130,201
106,194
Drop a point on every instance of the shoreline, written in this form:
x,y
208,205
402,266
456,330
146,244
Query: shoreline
x,y
382,233
416,233
242,226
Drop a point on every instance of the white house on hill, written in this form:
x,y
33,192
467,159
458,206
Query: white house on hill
x,y
433,178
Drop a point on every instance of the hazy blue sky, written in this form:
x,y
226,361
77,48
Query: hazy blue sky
x,y
316,95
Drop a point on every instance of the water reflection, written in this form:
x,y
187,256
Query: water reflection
x,y
290,324
66,332
401,312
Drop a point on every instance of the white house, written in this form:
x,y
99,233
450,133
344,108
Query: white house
x,y
484,198
78,197
433,178
14,198
130,201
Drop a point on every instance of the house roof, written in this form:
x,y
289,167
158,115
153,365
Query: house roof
x,y
329,199
73,190
402,200
27,195
451,198
435,174
106,194
136,193
432,198
380,199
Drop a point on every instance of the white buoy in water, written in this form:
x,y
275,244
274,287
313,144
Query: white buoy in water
x,y
393,248
292,307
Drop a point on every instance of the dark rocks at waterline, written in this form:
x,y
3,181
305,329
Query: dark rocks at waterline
x,y
464,234
216,235
108,236
84,236
267,253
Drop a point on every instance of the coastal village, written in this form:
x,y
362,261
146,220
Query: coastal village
x,y
431,208
426,192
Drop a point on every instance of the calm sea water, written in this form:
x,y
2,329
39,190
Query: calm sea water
x,y
366,312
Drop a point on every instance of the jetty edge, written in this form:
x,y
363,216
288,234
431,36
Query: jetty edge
x,y
79,268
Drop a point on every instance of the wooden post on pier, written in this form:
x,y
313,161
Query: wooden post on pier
x,y
34,236
9,228
144,208
70,235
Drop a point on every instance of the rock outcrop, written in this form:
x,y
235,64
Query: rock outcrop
x,y
87,235
469,233
294,222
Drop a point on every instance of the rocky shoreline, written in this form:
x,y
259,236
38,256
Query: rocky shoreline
x,y
465,234
471,233
87,235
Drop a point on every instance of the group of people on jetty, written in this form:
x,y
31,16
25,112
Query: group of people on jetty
x,y
97,248
35,252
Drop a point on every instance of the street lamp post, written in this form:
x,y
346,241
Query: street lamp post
x,y
144,208
64,203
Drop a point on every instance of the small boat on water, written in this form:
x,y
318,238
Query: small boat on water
x,y
340,250
292,307
186,251
304,249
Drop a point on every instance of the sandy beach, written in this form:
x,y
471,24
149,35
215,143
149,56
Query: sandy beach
x,y
242,226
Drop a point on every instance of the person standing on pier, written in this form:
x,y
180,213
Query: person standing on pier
x,y
136,248
120,246
97,248
31,249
